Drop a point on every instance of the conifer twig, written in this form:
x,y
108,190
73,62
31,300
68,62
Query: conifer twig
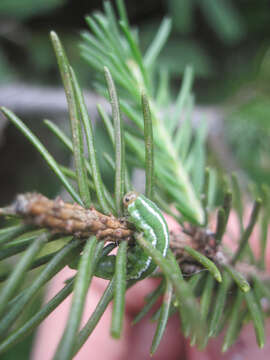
x,y
67,218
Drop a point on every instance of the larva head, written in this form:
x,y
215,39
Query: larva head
x,y
129,198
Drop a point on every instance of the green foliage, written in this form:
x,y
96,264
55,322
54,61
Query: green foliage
x,y
82,282
134,73
174,160
248,128
6,73
222,16
23,9
225,21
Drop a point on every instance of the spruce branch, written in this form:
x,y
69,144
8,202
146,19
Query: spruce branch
x,y
198,273
65,218
134,77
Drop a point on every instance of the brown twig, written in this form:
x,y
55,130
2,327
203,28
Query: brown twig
x,y
73,219
203,240
62,217
200,239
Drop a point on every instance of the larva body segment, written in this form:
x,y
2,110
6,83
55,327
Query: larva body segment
x,y
148,220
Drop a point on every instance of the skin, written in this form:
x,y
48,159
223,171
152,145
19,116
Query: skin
x,y
136,340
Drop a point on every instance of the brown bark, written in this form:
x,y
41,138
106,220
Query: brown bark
x,y
61,217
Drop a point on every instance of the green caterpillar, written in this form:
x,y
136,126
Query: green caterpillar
x,y
148,220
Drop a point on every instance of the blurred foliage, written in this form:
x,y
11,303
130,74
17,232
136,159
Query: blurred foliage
x,y
6,72
16,29
222,16
25,9
23,349
186,51
248,127
20,351
209,35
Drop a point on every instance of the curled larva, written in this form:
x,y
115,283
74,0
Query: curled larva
x,y
148,220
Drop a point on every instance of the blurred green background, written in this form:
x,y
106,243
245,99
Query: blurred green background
x,y
227,42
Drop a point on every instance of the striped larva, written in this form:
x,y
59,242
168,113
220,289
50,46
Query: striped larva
x,y
148,220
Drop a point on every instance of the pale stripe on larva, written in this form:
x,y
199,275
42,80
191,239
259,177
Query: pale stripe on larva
x,y
161,240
